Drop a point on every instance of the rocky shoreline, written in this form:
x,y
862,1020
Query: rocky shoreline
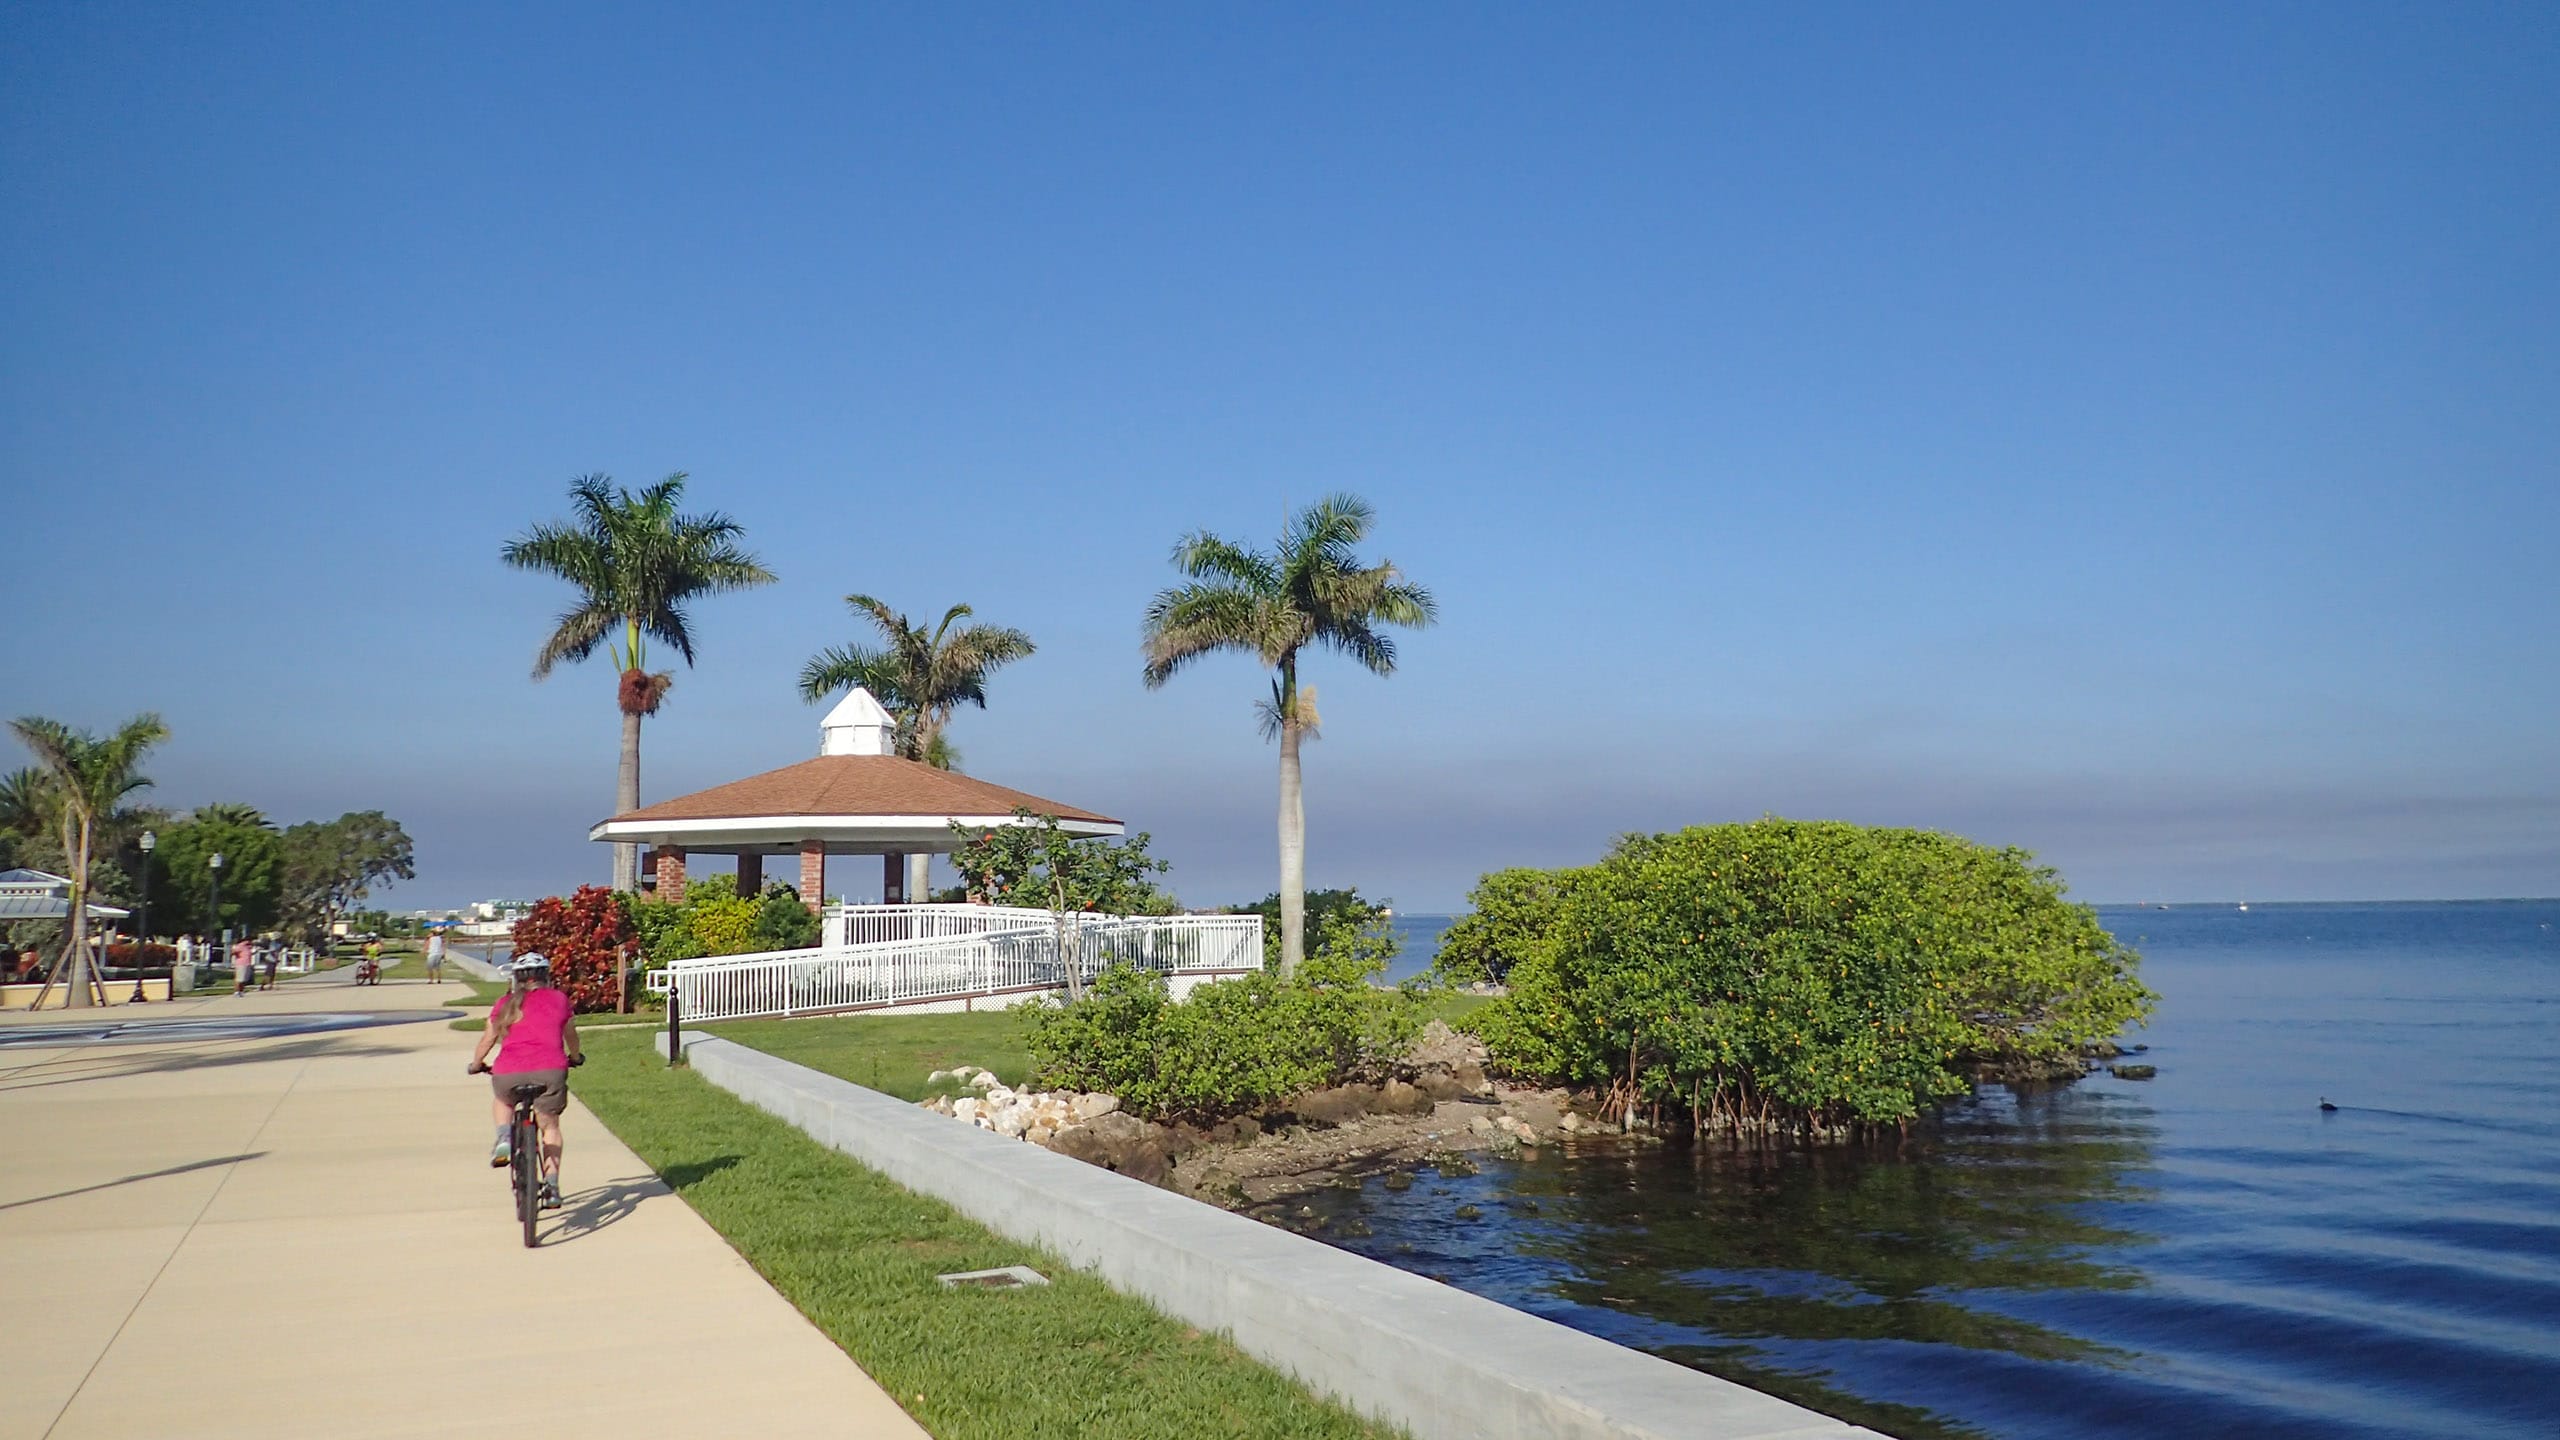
x,y
1439,1107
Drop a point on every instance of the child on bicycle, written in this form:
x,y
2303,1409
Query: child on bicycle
x,y
535,1032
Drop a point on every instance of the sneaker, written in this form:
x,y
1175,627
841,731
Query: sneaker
x,y
550,1194
498,1156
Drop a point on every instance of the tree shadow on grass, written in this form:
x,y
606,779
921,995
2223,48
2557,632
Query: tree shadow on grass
x,y
694,1172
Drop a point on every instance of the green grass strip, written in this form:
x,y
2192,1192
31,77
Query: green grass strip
x,y
892,1053
858,1255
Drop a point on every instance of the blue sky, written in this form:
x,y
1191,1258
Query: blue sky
x,y
2126,435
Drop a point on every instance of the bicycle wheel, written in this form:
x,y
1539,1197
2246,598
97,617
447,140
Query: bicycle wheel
x,y
527,1155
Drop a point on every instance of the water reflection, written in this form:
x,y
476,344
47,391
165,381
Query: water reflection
x,y
1759,1264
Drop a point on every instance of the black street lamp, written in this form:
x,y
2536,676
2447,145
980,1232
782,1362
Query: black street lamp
x,y
142,928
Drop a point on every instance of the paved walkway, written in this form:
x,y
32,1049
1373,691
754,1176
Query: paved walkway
x,y
299,1235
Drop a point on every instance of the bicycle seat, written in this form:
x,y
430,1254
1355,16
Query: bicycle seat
x,y
524,1092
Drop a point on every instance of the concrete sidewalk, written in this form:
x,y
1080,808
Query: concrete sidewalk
x,y
299,1235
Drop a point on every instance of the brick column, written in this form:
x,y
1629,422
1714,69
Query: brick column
x,y
670,863
813,875
750,874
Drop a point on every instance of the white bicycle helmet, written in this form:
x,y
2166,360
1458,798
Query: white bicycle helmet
x,y
529,963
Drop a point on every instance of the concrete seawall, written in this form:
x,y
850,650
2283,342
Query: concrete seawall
x,y
1442,1363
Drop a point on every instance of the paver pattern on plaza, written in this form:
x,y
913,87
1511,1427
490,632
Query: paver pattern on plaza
x,y
219,1230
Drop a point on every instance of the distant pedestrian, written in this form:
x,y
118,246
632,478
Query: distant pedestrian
x,y
241,961
435,956
268,955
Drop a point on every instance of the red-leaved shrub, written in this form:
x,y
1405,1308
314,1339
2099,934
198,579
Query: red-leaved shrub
x,y
587,937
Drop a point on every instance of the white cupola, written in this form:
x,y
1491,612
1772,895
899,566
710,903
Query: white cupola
x,y
857,726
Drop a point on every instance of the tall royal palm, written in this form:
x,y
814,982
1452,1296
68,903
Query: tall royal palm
x,y
1312,591
920,676
86,778
635,562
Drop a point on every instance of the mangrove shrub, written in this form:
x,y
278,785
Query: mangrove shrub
x,y
1791,975
1234,1045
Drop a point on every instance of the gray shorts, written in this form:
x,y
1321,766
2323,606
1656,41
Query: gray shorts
x,y
555,1088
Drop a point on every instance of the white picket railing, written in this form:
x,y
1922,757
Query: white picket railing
x,y
873,924
990,950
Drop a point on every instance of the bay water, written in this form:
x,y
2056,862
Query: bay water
x,y
2207,1252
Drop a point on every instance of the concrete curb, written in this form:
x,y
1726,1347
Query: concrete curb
x,y
1442,1363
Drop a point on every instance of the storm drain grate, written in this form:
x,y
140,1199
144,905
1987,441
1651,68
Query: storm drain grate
x,y
1011,1277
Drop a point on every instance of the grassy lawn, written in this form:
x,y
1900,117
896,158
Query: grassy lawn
x,y
1453,1007
858,1255
891,1053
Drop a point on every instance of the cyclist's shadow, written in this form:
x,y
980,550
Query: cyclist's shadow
x,y
583,1212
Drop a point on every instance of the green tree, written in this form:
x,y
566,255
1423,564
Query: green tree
x,y
1794,976
232,812
1508,913
634,562
920,676
87,778
1322,909
182,879
1035,864
1312,590
330,867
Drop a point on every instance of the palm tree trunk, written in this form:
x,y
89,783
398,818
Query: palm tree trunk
x,y
76,973
626,798
1293,853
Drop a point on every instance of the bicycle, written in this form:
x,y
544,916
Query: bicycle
x,y
524,1153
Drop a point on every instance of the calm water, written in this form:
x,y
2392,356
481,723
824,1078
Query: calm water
x,y
2205,1253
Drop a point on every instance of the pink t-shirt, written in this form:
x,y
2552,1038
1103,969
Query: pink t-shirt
x,y
534,1042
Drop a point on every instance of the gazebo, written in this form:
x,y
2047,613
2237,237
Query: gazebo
x,y
855,798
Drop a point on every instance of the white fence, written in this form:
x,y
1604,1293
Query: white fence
x,y
962,951
874,924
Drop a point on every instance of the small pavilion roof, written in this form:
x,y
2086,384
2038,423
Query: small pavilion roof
x,y
850,801
856,798
856,785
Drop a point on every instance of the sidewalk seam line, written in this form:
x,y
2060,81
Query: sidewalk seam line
x,y
138,1301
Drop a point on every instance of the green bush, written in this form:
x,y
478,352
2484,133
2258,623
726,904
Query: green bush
x,y
713,919
1508,913
782,922
1324,909
1784,974
1235,1045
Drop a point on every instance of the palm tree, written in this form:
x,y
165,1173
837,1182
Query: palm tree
x,y
233,812
1312,591
86,779
921,677
634,561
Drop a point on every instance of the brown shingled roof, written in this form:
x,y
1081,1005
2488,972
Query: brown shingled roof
x,y
855,785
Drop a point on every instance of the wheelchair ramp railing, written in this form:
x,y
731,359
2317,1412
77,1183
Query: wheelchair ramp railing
x,y
997,952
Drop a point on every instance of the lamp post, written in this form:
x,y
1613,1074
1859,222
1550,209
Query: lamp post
x,y
213,910
142,926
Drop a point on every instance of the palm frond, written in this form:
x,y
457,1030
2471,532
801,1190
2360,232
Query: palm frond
x,y
1204,556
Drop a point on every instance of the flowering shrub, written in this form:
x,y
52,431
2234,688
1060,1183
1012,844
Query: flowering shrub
x,y
588,938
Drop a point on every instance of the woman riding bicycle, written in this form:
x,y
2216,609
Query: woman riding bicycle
x,y
535,1032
